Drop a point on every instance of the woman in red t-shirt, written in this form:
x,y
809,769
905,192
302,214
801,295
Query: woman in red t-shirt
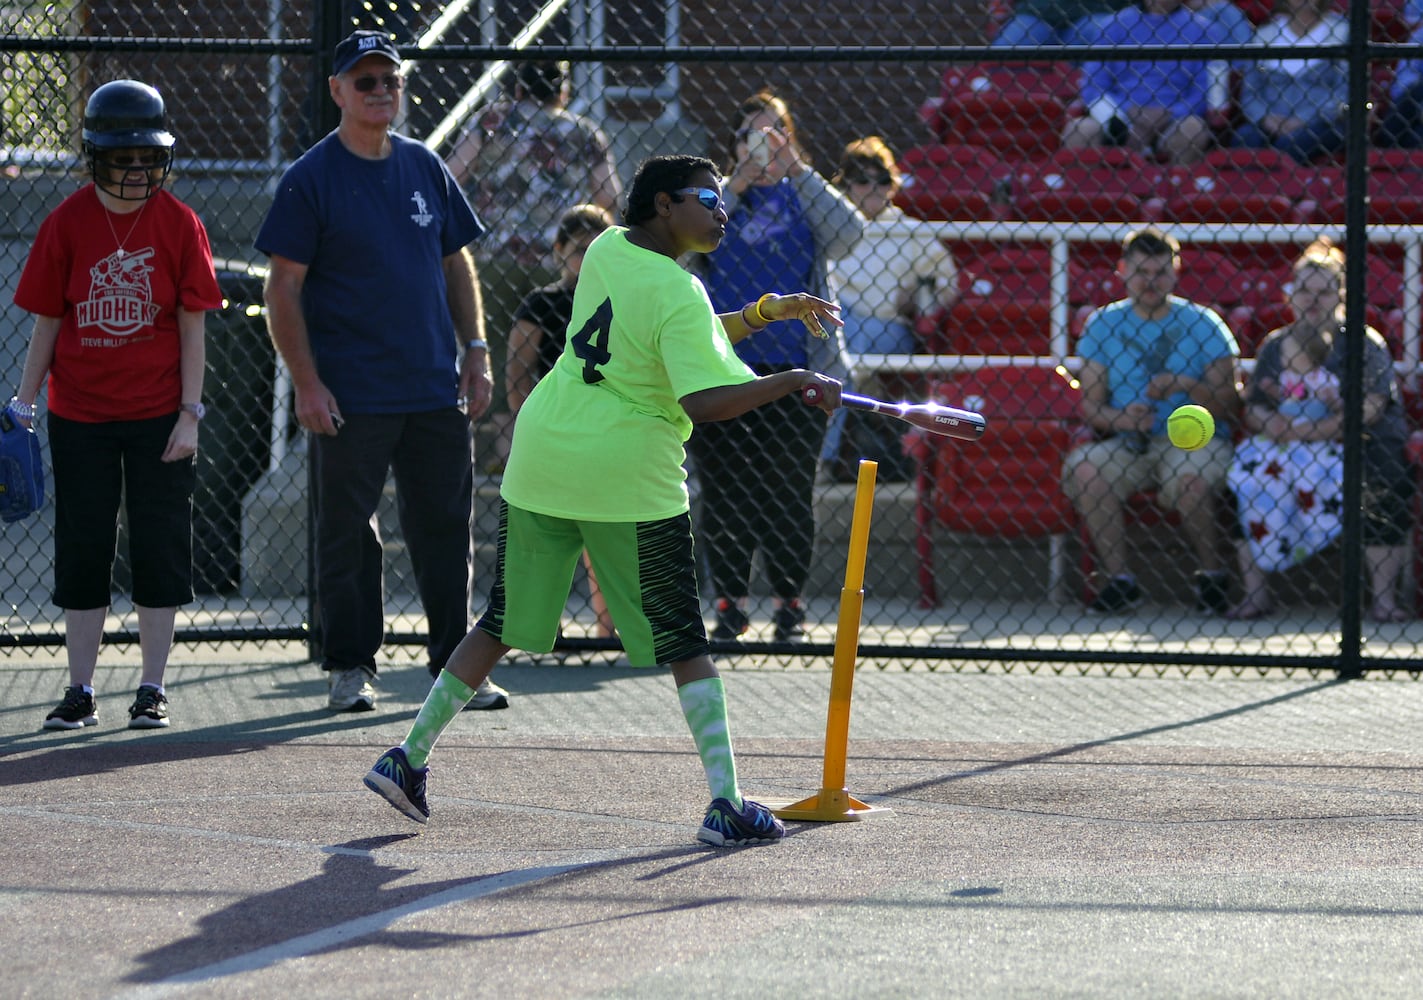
x,y
119,279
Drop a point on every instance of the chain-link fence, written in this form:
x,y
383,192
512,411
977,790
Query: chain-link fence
x,y
975,246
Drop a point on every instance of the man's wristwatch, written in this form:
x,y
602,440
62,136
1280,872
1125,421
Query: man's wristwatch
x,y
198,410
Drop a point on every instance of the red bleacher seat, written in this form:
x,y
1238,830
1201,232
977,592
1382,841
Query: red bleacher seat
x,y
1236,185
1016,108
1395,189
1322,199
1213,278
1395,186
1261,292
1090,288
1091,185
1388,19
953,181
1258,11
1002,306
1008,485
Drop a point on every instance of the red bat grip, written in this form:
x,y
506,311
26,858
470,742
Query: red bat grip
x,y
810,395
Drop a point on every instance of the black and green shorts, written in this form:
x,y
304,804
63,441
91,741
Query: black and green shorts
x,y
646,571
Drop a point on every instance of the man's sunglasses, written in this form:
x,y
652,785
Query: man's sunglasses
x,y
878,180
706,197
366,84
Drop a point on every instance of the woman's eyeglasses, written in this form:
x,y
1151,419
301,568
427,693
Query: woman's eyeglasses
x,y
706,197
877,180
366,84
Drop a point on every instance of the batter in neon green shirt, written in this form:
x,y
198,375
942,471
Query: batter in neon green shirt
x,y
601,436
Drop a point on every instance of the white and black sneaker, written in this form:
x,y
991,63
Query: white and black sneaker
x,y
149,709
78,709
351,690
488,697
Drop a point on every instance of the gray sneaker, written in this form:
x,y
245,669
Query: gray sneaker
x,y
487,697
351,690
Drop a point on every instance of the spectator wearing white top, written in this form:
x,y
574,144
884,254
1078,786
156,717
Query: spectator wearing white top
x,y
888,280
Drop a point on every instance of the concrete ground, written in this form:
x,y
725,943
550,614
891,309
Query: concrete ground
x,y
1043,834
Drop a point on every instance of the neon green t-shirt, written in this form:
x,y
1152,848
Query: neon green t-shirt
x,y
600,437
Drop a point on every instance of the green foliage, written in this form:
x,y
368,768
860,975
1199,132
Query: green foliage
x,y
37,88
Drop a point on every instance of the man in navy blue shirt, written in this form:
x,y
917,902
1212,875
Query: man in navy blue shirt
x,y
374,304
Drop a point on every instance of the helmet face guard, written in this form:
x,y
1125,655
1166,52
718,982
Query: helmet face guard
x,y
125,135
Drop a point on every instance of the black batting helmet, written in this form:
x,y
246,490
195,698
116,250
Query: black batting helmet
x,y
126,114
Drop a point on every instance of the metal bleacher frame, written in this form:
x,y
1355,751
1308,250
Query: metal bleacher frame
x,y
1060,238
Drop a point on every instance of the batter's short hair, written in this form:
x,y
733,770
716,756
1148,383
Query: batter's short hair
x,y
657,174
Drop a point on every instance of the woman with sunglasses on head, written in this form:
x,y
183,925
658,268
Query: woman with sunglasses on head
x,y
120,279
884,284
887,280
785,223
596,465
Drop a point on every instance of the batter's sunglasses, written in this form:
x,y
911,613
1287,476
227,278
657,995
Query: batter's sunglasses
x,y
706,197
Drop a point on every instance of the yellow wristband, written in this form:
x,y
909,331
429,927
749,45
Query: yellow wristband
x,y
765,320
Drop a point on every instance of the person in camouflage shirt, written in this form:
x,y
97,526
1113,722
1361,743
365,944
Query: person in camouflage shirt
x,y
524,162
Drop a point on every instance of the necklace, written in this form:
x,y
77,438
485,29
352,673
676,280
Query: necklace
x,y
113,232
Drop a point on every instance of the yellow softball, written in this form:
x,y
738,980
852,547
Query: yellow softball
x,y
1189,427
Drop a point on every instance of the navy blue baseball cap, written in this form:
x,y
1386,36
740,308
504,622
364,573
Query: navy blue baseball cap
x,y
359,44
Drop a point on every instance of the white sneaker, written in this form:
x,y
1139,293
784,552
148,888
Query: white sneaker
x,y
351,690
488,696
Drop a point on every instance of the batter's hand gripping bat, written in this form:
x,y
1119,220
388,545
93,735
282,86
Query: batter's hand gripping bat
x,y
932,417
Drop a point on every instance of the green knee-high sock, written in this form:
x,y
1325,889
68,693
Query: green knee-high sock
x,y
447,698
704,706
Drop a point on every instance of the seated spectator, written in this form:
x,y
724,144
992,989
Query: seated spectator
x,y
1141,358
884,284
1158,108
1234,27
1298,106
886,281
1402,125
1287,476
1232,23
1036,23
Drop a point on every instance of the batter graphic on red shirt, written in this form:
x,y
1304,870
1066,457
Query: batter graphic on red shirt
x,y
120,299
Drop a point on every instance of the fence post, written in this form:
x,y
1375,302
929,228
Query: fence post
x,y
1356,249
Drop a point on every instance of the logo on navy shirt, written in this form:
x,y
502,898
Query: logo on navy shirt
x,y
422,214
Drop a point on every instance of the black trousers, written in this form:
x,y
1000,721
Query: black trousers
x,y
98,466
431,456
757,476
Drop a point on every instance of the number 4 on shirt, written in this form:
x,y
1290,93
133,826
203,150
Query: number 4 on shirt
x,y
591,342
